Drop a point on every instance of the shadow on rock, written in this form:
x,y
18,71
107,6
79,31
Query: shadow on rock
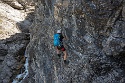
x,y
12,51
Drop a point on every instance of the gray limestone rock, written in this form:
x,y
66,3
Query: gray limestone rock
x,y
11,56
95,45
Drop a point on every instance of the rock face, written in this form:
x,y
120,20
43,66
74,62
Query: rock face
x,y
15,20
12,58
95,45
12,19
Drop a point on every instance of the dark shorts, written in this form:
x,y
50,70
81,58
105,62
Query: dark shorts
x,y
62,48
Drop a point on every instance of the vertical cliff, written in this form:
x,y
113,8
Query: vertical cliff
x,y
95,45
15,18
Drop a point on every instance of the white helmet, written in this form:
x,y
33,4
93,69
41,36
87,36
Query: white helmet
x,y
59,31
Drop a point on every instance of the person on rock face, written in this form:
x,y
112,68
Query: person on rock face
x,y
58,43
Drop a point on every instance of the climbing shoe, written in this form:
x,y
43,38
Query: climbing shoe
x,y
66,62
59,55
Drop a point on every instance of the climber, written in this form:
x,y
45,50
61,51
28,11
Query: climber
x,y
58,43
